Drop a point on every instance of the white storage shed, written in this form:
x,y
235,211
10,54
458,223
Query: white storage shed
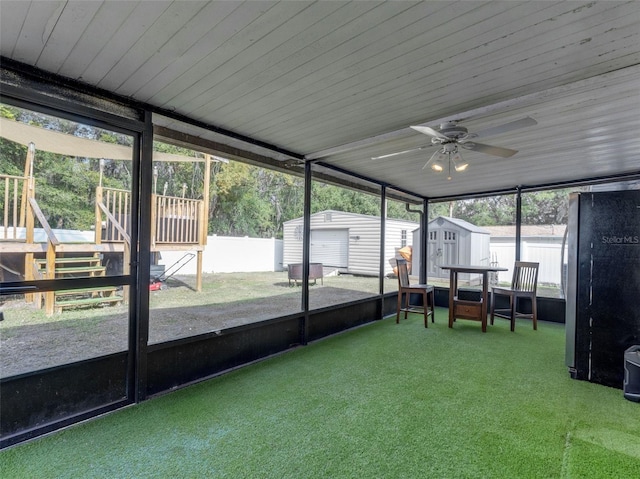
x,y
452,241
349,242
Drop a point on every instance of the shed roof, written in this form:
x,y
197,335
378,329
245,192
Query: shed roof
x,y
459,223
358,215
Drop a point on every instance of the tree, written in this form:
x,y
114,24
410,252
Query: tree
x,y
538,208
489,211
546,207
253,201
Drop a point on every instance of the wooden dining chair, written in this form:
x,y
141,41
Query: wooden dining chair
x,y
405,289
523,285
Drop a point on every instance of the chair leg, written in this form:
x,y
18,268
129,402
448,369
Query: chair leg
x,y
493,307
399,307
425,309
407,304
534,312
512,303
432,297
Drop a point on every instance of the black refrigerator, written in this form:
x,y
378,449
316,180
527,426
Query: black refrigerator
x,y
603,284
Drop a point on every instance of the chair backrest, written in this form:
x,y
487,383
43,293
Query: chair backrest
x,y
525,276
403,273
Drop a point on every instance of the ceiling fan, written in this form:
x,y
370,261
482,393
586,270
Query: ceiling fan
x,y
450,135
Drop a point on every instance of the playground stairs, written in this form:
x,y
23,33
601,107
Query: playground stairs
x,y
79,267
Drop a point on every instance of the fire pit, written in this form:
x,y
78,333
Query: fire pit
x,y
295,272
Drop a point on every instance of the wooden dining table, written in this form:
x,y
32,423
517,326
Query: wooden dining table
x,y
469,308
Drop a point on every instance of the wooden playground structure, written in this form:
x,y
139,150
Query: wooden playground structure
x,y
32,250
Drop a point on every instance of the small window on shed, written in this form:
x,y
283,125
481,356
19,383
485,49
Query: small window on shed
x,y
327,217
403,238
297,233
433,235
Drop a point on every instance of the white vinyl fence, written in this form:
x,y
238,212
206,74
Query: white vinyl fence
x,y
227,254
546,251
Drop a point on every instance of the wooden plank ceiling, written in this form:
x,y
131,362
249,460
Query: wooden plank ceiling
x,y
340,82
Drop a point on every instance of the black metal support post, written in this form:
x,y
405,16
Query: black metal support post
x,y
518,221
141,258
424,234
383,226
306,250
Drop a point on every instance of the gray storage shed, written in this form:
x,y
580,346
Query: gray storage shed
x,y
452,241
349,242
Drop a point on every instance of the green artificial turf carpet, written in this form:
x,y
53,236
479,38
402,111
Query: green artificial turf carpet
x,y
381,401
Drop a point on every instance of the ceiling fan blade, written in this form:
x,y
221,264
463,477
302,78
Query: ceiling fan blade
x,y
389,155
514,125
430,131
488,149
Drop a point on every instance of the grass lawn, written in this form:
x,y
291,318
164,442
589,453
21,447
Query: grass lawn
x,y
380,401
180,292
29,340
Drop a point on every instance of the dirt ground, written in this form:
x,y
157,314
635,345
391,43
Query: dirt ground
x,y
26,348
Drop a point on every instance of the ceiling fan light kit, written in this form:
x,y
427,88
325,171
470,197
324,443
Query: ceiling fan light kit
x,y
458,162
450,135
450,155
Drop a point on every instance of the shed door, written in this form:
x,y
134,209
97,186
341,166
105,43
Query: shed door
x,y
443,249
330,247
450,247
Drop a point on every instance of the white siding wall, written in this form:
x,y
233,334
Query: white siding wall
x,y
364,245
393,241
415,259
364,239
292,242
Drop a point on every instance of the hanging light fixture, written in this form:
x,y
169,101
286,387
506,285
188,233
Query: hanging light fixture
x,y
458,163
448,153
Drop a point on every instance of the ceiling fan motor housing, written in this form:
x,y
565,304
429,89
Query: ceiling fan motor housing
x,y
453,130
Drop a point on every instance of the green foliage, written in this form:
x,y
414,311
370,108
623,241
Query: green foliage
x,y
8,112
397,210
331,197
65,191
546,207
178,178
252,201
12,154
12,158
493,210
538,208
